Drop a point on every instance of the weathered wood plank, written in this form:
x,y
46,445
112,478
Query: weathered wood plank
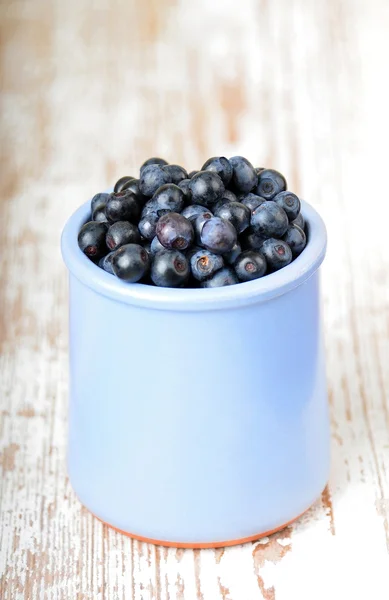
x,y
87,94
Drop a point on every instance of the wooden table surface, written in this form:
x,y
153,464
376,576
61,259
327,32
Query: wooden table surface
x,y
89,90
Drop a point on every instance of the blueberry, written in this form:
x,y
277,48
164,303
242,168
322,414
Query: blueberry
x,y
150,208
290,203
106,263
269,220
169,268
198,224
204,264
236,213
99,200
154,161
221,166
184,186
192,211
250,265
296,239
225,276
299,220
277,254
175,231
148,224
244,177
218,235
229,196
231,257
132,185
259,170
270,183
122,206
91,240
176,173
207,188
146,244
251,200
192,174
99,214
156,246
120,233
130,262
170,197
151,178
121,183
250,240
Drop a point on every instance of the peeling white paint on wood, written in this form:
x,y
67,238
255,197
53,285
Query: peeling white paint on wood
x,y
87,95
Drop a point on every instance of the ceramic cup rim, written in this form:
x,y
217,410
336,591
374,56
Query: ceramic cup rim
x,y
182,299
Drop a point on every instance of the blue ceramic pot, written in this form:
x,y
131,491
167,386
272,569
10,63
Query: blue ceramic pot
x,y
198,417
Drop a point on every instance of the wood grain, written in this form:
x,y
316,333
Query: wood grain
x,y
89,90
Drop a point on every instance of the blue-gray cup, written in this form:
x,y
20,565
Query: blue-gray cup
x,y
198,417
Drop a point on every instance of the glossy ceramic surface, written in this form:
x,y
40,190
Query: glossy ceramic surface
x,y
197,416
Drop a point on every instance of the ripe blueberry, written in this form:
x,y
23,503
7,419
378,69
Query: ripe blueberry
x,y
170,197
130,262
149,208
244,177
229,196
270,183
250,265
236,213
231,257
106,263
132,185
218,235
207,188
204,264
91,240
120,233
184,186
99,200
154,161
151,178
296,239
176,173
148,225
156,246
250,240
169,268
192,211
251,200
122,206
175,231
221,166
121,183
299,220
269,220
198,224
99,214
221,278
277,254
290,203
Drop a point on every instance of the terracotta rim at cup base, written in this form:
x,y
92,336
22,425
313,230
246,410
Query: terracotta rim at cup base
x,y
204,545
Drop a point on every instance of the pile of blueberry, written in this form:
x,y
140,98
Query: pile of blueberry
x,y
228,223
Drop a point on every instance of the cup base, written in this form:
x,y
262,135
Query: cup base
x,y
203,545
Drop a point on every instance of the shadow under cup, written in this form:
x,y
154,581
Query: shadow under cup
x,y
197,417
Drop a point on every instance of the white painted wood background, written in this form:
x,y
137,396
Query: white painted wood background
x,y
89,90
